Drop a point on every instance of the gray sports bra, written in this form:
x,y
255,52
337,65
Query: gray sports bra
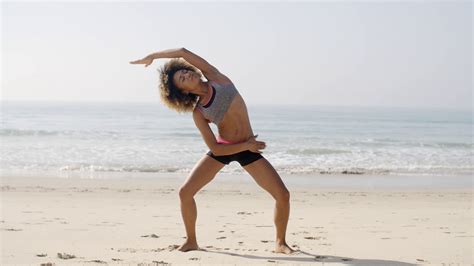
x,y
222,96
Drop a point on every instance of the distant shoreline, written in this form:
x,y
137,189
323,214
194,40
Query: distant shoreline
x,y
334,181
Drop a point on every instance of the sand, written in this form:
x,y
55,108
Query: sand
x,y
132,221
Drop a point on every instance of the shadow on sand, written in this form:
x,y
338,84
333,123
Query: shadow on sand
x,y
316,258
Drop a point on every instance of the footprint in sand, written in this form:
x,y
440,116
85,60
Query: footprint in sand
x,y
173,247
47,264
264,241
65,256
193,258
41,255
131,250
160,262
222,237
152,236
97,261
320,257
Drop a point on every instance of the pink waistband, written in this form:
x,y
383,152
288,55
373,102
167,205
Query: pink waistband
x,y
220,140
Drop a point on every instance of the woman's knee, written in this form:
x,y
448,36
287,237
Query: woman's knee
x,y
283,195
185,193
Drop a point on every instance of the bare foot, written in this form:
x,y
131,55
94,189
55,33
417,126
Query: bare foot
x,y
188,245
283,248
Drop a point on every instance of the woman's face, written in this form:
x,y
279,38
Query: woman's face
x,y
186,80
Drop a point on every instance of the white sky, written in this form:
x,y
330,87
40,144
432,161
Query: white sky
x,y
410,53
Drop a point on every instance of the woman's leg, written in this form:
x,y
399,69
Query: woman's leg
x,y
202,173
267,177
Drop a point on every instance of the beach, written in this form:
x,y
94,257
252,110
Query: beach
x,y
138,220
370,129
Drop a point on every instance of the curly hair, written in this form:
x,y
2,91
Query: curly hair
x,y
170,95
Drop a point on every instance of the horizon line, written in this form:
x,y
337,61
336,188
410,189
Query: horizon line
x,y
249,104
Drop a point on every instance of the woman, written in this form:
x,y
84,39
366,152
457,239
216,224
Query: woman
x,y
217,100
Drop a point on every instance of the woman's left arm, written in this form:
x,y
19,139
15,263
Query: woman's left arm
x,y
170,53
189,56
199,62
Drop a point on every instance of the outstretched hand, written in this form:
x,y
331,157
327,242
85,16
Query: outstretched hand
x,y
255,145
146,60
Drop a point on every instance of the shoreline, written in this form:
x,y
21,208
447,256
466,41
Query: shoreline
x,y
332,181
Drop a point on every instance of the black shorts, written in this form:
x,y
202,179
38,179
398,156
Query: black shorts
x,y
243,157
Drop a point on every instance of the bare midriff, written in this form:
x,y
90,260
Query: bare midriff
x,y
235,126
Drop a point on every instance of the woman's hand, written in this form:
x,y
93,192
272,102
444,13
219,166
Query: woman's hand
x,y
170,53
146,60
255,145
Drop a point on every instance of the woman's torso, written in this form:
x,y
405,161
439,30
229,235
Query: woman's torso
x,y
234,125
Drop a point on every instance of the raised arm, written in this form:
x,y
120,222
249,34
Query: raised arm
x,y
199,62
207,69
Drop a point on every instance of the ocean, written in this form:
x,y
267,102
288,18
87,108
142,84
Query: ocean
x,y
64,138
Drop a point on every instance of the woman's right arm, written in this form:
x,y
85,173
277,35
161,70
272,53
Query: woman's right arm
x,y
223,149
